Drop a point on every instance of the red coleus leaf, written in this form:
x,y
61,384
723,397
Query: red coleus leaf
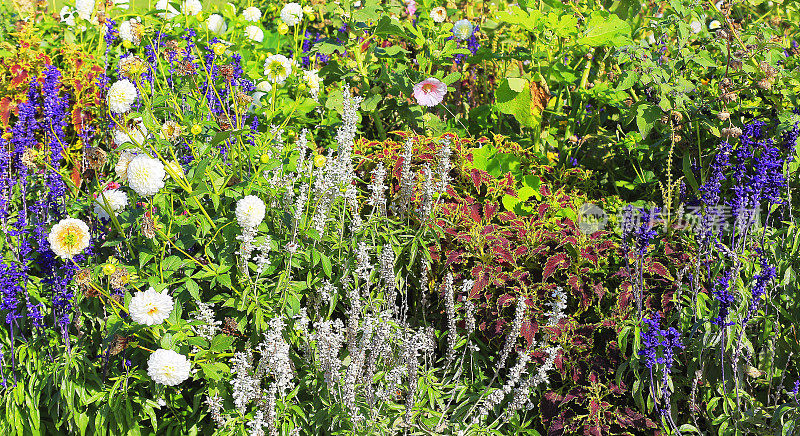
x,y
5,111
657,268
490,209
481,280
475,174
556,261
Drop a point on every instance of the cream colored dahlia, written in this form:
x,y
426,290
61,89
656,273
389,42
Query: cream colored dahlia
x,y
292,14
125,158
252,14
250,212
146,175
121,96
167,367
150,307
68,238
116,199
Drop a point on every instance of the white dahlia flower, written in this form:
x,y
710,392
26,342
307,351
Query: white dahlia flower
x,y
128,31
169,12
438,14
462,29
313,80
68,237
167,367
216,24
125,158
121,96
252,14
67,16
146,175
150,307
116,199
292,14
191,7
250,212
277,68
136,135
85,8
254,33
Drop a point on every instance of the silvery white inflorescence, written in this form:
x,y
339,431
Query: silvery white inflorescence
x,y
292,14
116,199
68,237
146,175
121,96
150,307
167,367
216,24
252,14
250,212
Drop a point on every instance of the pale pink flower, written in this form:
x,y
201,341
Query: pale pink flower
x,y
430,92
411,7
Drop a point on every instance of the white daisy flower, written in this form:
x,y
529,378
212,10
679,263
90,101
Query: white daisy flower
x,y
116,199
292,14
167,367
150,307
146,175
250,212
68,238
252,14
696,26
438,14
277,68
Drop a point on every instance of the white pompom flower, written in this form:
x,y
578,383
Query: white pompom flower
x,y
254,33
136,134
150,307
125,158
167,367
277,68
68,237
463,29
85,8
167,11
146,175
116,199
292,14
121,96
252,14
130,31
216,24
250,212
191,7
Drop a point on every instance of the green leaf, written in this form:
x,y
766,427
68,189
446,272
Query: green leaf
x,y
646,116
603,30
221,343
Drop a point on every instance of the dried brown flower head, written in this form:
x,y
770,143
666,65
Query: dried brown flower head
x,y
119,278
148,227
96,157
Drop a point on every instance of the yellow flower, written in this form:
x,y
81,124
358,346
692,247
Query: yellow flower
x,y
109,269
319,161
219,48
264,158
196,129
283,29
